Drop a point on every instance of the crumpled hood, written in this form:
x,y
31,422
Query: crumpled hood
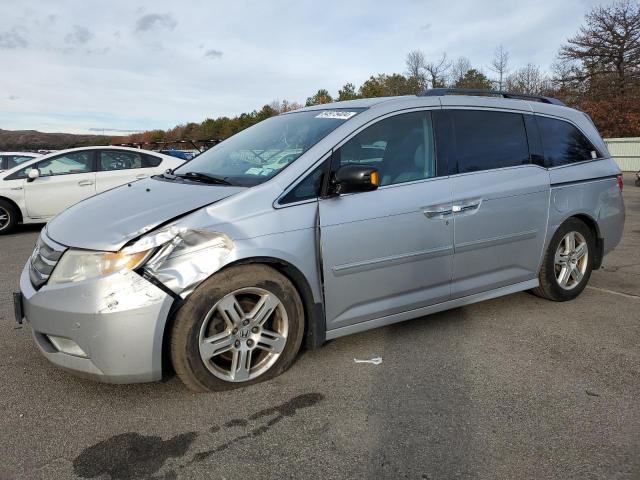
x,y
111,219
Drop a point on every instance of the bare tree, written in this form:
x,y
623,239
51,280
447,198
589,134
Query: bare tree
x,y
437,71
276,106
284,106
459,69
529,80
607,46
500,65
416,64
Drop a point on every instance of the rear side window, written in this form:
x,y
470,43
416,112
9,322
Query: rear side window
x,y
150,161
563,143
119,160
487,140
126,160
16,160
8,162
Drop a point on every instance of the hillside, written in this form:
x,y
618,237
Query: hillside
x,y
34,140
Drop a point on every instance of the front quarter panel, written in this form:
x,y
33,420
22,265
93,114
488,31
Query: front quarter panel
x,y
14,191
287,235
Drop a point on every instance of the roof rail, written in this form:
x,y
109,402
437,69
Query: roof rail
x,y
437,92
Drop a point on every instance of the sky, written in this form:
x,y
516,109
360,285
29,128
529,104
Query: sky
x,y
122,66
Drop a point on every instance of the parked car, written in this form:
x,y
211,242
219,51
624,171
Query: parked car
x,y
183,154
39,188
10,160
388,209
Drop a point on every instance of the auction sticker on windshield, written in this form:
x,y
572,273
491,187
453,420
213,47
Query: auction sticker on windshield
x,y
339,114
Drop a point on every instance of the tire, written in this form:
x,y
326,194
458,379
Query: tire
x,y
578,269
8,217
214,333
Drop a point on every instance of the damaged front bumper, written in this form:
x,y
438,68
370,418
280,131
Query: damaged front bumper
x,y
109,328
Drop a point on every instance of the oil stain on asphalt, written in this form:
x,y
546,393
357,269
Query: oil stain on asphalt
x,y
287,409
132,455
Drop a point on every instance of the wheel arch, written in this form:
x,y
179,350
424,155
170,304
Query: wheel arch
x,y
15,205
315,324
595,229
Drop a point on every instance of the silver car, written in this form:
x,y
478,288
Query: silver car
x,y
319,223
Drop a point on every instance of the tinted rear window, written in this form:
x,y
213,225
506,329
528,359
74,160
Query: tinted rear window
x,y
149,161
487,140
563,143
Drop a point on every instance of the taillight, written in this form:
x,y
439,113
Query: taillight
x,y
620,182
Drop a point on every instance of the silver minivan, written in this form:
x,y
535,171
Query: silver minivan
x,y
319,223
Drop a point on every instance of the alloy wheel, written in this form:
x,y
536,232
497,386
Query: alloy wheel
x,y
571,260
5,218
243,335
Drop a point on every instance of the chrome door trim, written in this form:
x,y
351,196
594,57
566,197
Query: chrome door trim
x,y
438,212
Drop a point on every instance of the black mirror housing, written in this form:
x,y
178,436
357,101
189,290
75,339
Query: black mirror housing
x,y
355,178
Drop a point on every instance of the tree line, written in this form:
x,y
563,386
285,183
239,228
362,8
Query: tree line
x,y
597,71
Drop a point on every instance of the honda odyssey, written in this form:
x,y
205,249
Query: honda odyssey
x,y
319,223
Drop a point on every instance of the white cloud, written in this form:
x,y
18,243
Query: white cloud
x,y
14,38
213,53
154,64
155,21
79,35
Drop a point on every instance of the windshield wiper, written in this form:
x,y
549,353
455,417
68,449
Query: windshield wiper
x,y
169,175
204,177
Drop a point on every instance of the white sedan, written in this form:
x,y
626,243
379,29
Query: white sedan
x,y
38,189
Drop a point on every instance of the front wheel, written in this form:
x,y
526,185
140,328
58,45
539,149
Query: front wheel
x,y
568,262
8,217
241,326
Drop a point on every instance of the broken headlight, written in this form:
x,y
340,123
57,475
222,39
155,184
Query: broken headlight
x,y
78,265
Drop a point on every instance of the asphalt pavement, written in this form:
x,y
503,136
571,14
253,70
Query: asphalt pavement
x,y
512,388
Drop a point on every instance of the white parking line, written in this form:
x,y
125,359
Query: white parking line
x,y
627,295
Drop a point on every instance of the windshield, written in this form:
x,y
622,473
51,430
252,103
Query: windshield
x,y
260,152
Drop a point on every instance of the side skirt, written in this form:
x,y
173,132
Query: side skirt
x,y
438,307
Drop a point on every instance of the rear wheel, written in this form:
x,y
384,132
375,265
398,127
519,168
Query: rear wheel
x,y
8,217
242,326
568,262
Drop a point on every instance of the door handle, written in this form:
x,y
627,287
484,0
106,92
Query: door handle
x,y
438,212
85,183
465,207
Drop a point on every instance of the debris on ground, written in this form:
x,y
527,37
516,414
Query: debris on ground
x,y
374,361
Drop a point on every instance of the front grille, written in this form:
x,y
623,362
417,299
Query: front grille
x,y
44,259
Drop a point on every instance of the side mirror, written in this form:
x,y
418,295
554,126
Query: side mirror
x,y
355,178
33,174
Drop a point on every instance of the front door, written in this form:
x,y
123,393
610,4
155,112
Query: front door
x,y
389,250
64,181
